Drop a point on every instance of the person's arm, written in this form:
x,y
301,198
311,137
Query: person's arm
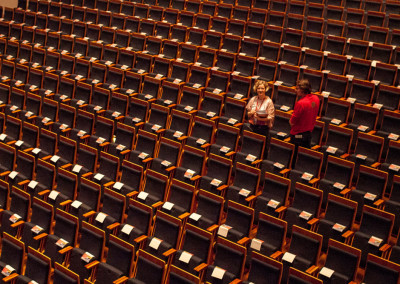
x,y
250,113
296,114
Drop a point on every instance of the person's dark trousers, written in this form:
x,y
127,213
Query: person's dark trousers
x,y
264,131
303,140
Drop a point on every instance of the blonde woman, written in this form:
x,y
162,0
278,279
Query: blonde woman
x,y
261,110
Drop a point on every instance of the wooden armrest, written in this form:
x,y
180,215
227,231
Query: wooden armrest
x,y
104,144
169,252
230,153
10,277
47,157
195,178
205,145
348,234
121,280
140,239
11,142
222,187
92,264
284,171
345,156
212,228
24,182
132,194
4,173
276,255
157,204
87,175
182,138
280,209
113,226
345,191
379,202
66,166
17,224
85,136
65,250
66,202
372,132
39,237
200,267
250,198
375,165
315,147
147,160
313,181
160,131
170,168
125,152
243,241
44,192
236,281
385,248
256,162
312,270
89,214
239,124
184,215
313,221
109,183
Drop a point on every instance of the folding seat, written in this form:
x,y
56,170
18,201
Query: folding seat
x,y
104,131
228,263
163,30
190,100
217,176
147,27
354,15
305,207
307,168
167,156
212,103
369,188
284,98
38,267
293,37
24,170
40,222
15,31
245,184
281,128
313,59
273,33
225,61
104,18
374,18
138,112
380,52
371,241
266,70
4,194
158,119
392,206
16,102
339,217
359,68
264,269
355,31
192,6
334,28
258,16
34,82
145,146
186,18
336,86
336,111
166,236
387,97
245,66
236,27
279,158
377,35
338,141
334,44
138,222
335,64
191,165
41,21
13,130
12,256
145,263
357,48
132,24
379,269
202,21
294,21
48,114
313,27
303,253
252,151
119,263
224,10
179,126
385,74
91,16
362,91
365,119
288,75
388,129
206,57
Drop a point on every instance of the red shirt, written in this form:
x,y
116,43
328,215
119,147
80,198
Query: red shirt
x,y
304,115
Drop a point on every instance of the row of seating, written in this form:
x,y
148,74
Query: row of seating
x,y
243,10
166,237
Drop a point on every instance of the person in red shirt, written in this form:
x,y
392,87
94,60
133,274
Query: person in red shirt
x,y
304,115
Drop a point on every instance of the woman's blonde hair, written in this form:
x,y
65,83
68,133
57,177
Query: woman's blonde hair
x,y
258,83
